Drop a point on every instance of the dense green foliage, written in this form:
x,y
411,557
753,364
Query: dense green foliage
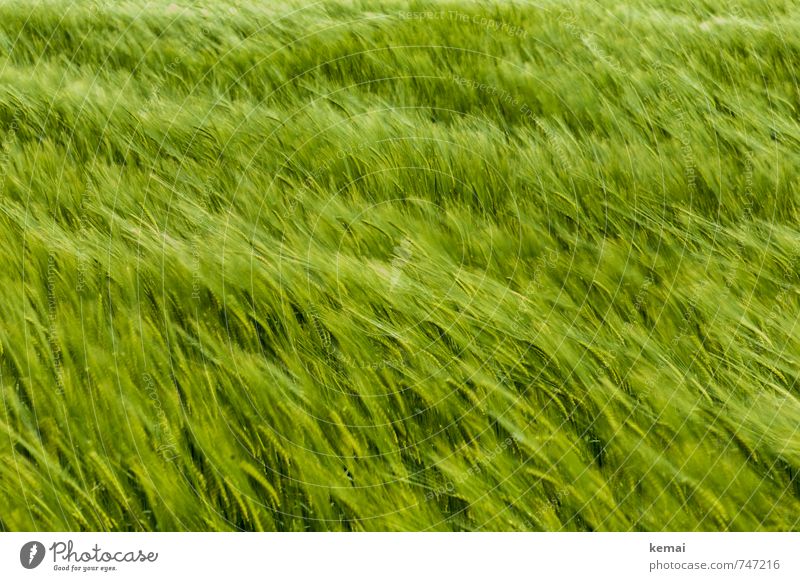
x,y
355,266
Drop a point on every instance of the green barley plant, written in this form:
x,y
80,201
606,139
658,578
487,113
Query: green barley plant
x,y
399,265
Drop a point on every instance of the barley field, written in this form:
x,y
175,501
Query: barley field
x,y
399,265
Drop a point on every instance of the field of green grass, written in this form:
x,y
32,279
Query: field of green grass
x,y
389,265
